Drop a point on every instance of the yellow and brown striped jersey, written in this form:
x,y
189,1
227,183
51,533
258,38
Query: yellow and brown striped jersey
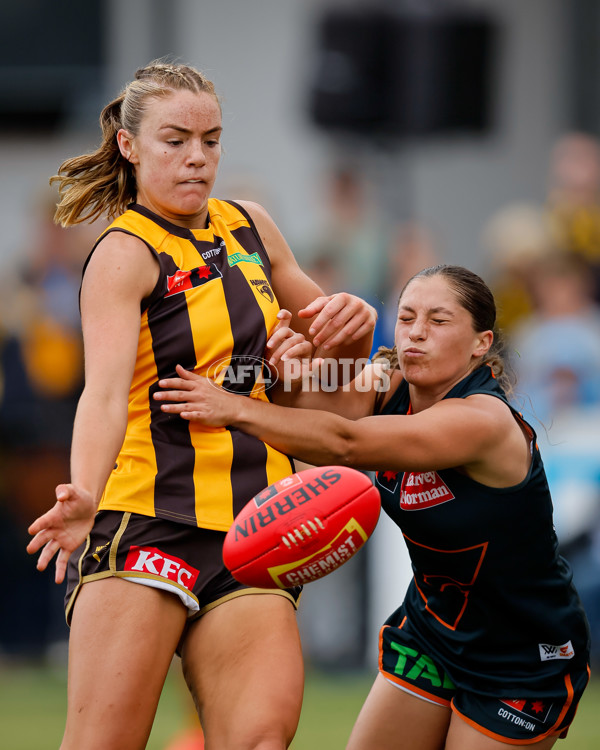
x,y
212,309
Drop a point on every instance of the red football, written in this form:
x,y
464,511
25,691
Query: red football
x,y
302,527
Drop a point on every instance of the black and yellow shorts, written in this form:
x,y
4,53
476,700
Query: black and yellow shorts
x,y
182,559
514,720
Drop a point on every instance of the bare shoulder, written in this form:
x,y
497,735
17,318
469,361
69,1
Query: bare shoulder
x,y
122,260
121,247
484,415
502,457
269,232
489,408
258,213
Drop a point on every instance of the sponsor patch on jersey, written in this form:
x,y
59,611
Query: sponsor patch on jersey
x,y
152,561
421,490
387,480
183,281
236,258
534,709
216,250
548,652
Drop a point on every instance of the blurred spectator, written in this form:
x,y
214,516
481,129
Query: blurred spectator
x,y
324,271
556,351
574,198
41,361
413,247
352,234
517,238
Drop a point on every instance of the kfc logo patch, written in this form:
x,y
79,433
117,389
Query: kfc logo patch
x,y
152,561
421,490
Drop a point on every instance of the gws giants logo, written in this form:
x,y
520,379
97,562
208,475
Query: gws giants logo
x,y
421,490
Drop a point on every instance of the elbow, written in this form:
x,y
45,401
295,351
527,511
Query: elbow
x,y
345,449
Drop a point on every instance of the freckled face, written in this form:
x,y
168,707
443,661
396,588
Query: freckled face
x,y
176,156
437,345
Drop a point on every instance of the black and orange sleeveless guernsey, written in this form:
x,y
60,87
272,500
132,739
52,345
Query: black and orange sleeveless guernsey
x,y
211,312
491,598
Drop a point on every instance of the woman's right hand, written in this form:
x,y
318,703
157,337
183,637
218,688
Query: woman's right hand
x,y
63,528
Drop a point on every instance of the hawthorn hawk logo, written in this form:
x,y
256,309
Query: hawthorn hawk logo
x,y
263,287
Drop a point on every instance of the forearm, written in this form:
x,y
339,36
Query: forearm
x,y
98,434
360,349
316,437
351,357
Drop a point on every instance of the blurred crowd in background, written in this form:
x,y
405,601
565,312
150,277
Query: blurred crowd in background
x,y
386,183
542,262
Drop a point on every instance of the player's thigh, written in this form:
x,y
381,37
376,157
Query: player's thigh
x,y
393,719
462,736
243,663
122,641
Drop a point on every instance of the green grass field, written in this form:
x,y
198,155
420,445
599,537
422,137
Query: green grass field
x,y
32,710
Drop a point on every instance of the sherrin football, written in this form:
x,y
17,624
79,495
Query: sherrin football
x,y
302,527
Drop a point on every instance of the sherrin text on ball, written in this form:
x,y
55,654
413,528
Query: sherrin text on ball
x,y
302,527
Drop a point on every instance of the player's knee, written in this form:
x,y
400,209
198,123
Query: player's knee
x,y
244,737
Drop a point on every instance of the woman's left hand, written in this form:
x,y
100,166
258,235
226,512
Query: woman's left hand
x,y
197,399
286,344
341,319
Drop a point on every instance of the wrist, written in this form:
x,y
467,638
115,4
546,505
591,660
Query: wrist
x,y
245,412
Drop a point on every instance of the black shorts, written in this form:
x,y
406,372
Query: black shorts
x,y
514,720
182,559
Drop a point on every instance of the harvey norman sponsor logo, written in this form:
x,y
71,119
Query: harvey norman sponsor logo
x,y
421,490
